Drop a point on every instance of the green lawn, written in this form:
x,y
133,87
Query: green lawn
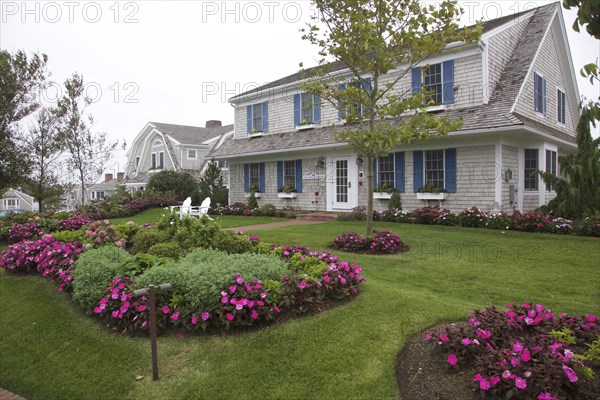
x,y
49,350
227,221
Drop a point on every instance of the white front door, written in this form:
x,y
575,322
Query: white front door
x,y
342,193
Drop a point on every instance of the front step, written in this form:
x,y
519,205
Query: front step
x,y
317,216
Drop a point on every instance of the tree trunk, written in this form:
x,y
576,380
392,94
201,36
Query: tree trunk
x,y
369,227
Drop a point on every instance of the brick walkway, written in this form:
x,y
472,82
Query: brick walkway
x,y
272,225
6,395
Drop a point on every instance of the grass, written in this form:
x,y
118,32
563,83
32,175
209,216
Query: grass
x,y
346,352
226,221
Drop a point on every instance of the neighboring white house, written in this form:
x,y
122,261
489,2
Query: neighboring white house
x,y
167,147
98,191
14,199
515,90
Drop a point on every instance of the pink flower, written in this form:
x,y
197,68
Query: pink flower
x,y
452,360
477,378
484,334
239,281
507,375
428,336
175,316
520,383
546,396
205,315
166,309
525,356
276,309
517,347
232,288
466,341
194,319
484,384
254,314
494,380
229,317
224,299
443,337
302,285
570,373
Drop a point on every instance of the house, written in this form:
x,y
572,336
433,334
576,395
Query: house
x,y
167,147
98,191
515,90
15,199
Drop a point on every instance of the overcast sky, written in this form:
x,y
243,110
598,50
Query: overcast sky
x,y
179,61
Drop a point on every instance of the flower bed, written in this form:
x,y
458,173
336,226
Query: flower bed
x,y
384,242
525,351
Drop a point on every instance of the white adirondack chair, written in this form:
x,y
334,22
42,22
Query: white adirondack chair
x,y
185,208
204,208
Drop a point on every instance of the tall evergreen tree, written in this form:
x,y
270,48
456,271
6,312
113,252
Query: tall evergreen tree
x,y
211,185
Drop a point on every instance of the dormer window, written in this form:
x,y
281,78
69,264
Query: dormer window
x,y
157,142
307,109
438,79
357,108
561,99
539,93
257,117
191,154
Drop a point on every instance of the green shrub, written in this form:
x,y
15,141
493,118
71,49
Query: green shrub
x,y
194,232
233,243
273,288
127,231
49,225
59,216
93,273
268,210
168,250
146,239
307,265
199,277
395,202
137,264
69,236
252,202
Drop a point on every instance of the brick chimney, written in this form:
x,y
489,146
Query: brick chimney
x,y
120,176
213,124
108,178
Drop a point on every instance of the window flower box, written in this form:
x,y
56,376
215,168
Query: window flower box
x,y
382,195
431,196
284,195
305,126
256,194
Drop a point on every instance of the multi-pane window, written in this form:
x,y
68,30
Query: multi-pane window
x,y
551,166
531,165
539,93
153,160
253,176
386,171
192,154
257,118
11,203
434,168
433,83
161,160
561,100
289,174
98,195
306,108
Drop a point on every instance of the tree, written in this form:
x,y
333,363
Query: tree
x,y
44,146
371,38
181,184
88,151
21,79
578,194
588,13
211,185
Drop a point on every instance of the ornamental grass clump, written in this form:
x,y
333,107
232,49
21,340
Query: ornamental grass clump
x,y
523,352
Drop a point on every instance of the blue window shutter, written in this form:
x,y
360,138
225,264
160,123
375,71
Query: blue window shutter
x,y
535,92
317,109
296,109
261,177
279,175
265,116
399,171
299,176
448,88
246,177
544,95
417,170
450,173
341,113
416,79
249,119
374,174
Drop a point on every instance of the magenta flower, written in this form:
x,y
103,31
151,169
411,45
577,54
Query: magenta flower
x,y
484,334
276,309
239,281
572,375
452,360
495,380
546,396
520,383
232,289
229,317
254,314
302,285
484,384
175,316
507,375
444,338
466,341
166,309
525,355
205,315
517,347
194,319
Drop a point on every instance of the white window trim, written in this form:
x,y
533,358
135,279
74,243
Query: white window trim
x,y
393,169
540,182
442,83
252,118
163,158
312,100
16,206
156,143
195,154
558,88
425,166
